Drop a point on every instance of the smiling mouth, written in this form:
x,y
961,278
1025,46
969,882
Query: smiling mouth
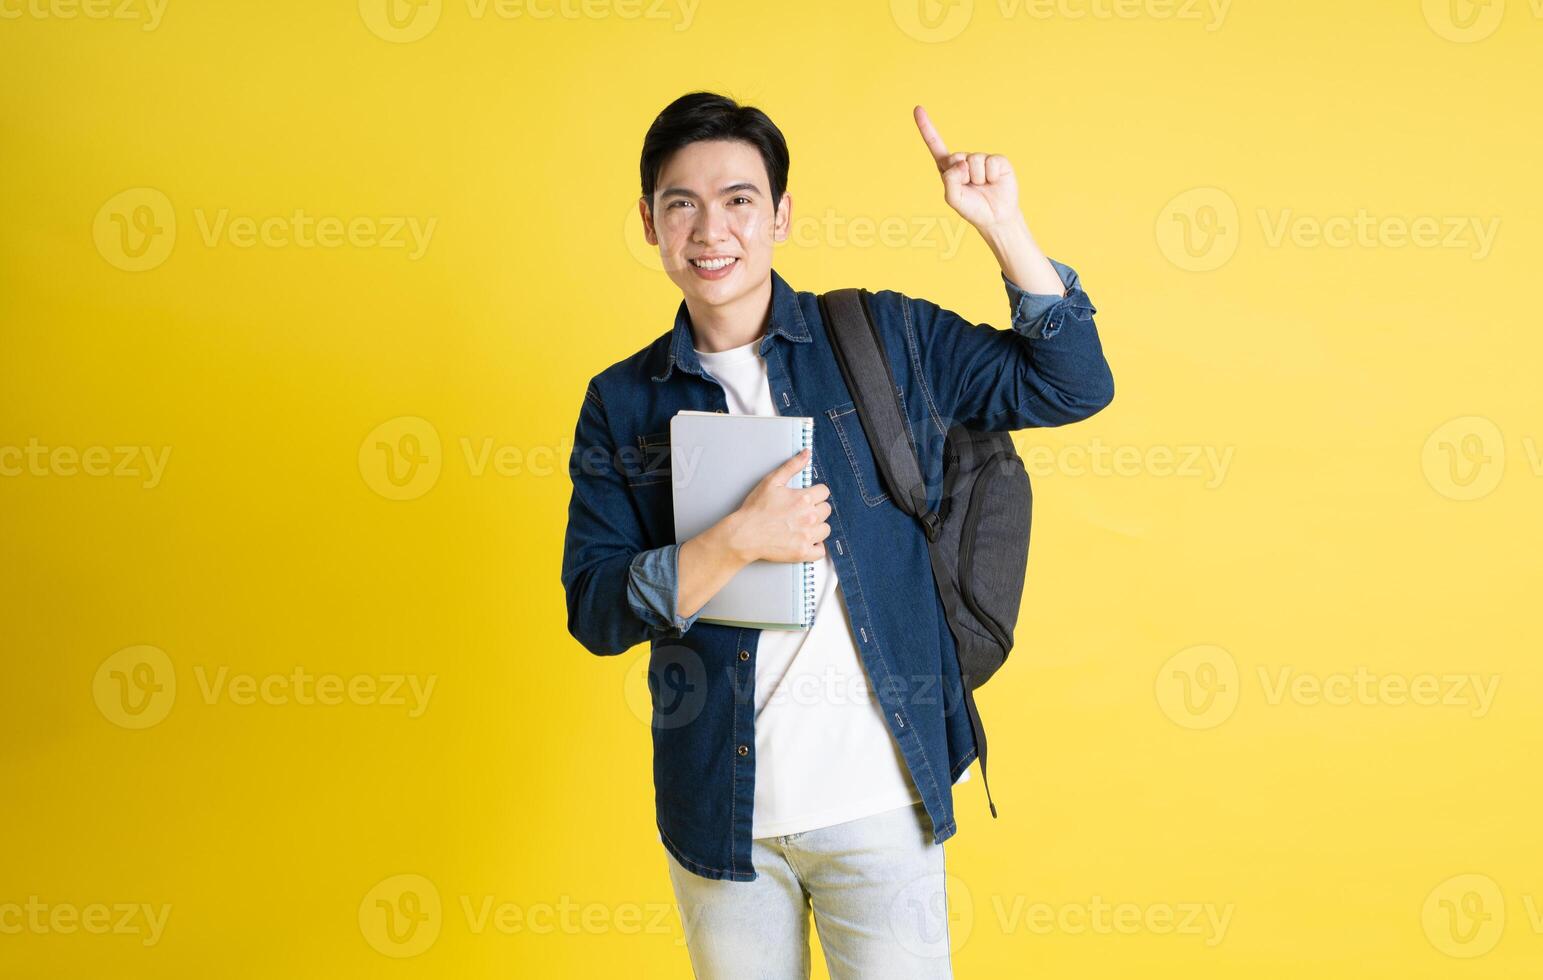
x,y
713,265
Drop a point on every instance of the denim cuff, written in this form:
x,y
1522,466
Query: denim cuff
x,y
652,588
1040,316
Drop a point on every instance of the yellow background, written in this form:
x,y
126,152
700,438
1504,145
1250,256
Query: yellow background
x,y
1335,539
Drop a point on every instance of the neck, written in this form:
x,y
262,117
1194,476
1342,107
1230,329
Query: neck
x,y
734,324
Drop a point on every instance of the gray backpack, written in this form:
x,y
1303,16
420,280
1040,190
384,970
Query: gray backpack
x,y
978,538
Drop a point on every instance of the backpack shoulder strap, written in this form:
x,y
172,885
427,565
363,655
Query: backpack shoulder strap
x,y
860,355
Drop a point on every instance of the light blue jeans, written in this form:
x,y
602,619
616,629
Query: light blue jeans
x,y
875,885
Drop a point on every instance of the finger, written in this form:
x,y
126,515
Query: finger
x,y
822,511
819,492
930,136
997,167
784,473
977,168
821,532
956,177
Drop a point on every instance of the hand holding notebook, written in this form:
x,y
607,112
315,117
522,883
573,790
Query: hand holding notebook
x,y
717,460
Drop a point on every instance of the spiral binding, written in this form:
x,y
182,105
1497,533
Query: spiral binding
x,y
806,480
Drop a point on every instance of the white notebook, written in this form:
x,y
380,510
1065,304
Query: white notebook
x,y
716,459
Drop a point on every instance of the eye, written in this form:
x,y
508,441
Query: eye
x,y
742,198
676,204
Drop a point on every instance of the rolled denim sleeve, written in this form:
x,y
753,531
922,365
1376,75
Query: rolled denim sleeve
x,y
653,586
1040,316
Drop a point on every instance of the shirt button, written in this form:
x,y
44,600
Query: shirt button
x,y
744,750
744,654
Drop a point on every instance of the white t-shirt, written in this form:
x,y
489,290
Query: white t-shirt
x,y
823,753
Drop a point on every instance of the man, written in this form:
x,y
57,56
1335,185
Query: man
x,y
802,769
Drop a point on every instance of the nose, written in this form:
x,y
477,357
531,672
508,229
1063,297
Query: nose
x,y
711,225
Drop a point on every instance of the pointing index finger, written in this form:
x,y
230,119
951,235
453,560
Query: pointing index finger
x,y
930,137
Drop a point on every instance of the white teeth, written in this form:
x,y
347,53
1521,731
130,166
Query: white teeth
x,y
712,264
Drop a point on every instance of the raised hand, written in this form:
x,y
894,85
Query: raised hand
x,y
980,186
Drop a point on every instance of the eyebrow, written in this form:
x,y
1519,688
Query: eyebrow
x,y
682,192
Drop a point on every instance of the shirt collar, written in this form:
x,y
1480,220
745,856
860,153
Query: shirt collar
x,y
787,320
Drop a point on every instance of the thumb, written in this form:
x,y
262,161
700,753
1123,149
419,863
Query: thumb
x,y
957,175
782,474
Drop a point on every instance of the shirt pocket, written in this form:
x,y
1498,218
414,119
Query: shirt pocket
x,y
648,481
650,464
854,443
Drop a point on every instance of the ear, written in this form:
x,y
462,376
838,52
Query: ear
x,y
648,222
784,220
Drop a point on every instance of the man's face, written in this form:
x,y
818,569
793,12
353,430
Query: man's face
x,y
712,201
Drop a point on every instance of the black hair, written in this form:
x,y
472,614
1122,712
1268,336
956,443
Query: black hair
x,y
699,116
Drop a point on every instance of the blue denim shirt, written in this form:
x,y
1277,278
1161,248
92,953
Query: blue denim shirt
x,y
620,557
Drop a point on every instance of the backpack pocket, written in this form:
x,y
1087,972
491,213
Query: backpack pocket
x,y
994,544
